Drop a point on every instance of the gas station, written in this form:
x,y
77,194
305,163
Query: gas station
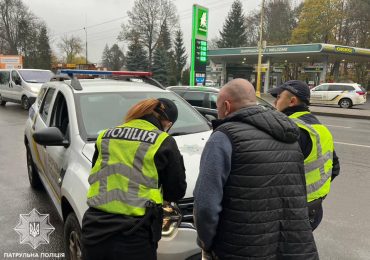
x,y
313,60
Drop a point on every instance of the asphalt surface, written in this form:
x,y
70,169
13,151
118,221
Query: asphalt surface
x,y
343,234
17,197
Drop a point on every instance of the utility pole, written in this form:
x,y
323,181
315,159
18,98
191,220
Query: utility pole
x,y
258,87
86,43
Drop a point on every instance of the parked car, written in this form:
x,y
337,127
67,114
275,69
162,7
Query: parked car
x,y
210,83
60,135
204,99
345,95
22,85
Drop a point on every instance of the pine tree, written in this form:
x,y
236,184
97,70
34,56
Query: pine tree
x,y
43,49
136,57
233,33
185,78
163,66
160,64
117,58
106,57
165,37
180,56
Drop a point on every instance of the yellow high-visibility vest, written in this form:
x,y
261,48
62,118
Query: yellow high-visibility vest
x,y
124,176
319,163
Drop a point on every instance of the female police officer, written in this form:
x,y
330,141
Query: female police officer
x,y
136,166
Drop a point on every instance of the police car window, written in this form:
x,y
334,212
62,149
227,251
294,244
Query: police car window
x,y
348,88
40,96
336,88
45,107
322,88
59,116
4,77
99,111
195,98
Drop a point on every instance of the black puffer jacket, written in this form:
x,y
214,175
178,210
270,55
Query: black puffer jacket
x,y
264,212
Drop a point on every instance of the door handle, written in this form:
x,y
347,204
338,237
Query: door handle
x,y
10,84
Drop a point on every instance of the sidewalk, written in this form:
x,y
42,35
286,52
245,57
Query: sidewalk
x,y
355,112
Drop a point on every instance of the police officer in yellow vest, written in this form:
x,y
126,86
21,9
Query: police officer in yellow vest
x,y
316,142
136,166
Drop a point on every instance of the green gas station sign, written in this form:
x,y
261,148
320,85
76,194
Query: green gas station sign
x,y
202,22
199,46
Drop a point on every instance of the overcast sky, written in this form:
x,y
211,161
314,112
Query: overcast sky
x,y
103,19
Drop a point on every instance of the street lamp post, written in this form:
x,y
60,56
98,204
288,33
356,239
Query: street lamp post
x,y
86,43
258,87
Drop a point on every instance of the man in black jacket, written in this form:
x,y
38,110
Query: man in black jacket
x,y
292,99
250,196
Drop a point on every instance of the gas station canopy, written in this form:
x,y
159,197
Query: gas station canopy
x,y
316,52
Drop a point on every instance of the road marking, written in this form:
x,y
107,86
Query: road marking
x,y
359,145
339,126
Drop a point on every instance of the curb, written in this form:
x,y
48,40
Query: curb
x,y
341,115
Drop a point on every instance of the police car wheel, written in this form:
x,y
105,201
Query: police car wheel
x,y
2,102
72,238
345,103
25,103
33,175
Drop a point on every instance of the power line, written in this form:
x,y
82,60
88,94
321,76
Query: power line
x,y
215,4
91,26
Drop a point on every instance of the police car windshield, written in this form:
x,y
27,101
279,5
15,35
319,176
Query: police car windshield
x,y
99,111
36,76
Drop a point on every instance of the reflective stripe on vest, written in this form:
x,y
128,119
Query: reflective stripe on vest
x,y
318,165
124,176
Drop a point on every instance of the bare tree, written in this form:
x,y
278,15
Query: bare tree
x,y
70,46
147,19
14,15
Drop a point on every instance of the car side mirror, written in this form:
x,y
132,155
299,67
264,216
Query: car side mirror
x,y
50,136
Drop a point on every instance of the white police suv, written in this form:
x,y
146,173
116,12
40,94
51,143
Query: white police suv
x,y
60,135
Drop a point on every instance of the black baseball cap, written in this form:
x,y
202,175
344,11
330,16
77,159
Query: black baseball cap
x,y
297,87
170,111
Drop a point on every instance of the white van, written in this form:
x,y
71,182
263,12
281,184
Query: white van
x,y
22,85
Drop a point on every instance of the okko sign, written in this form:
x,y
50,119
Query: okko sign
x,y
199,46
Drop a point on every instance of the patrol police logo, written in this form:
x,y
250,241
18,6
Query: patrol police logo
x,y
34,229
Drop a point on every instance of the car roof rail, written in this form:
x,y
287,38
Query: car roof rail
x,y
119,75
75,84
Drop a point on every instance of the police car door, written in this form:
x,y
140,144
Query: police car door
x,y
41,121
319,94
57,156
333,94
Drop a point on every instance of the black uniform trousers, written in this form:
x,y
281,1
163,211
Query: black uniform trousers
x,y
138,246
315,213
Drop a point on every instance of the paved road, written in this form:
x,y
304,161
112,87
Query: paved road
x,y
343,234
15,193
345,230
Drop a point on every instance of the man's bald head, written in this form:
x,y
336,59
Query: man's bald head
x,y
236,94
